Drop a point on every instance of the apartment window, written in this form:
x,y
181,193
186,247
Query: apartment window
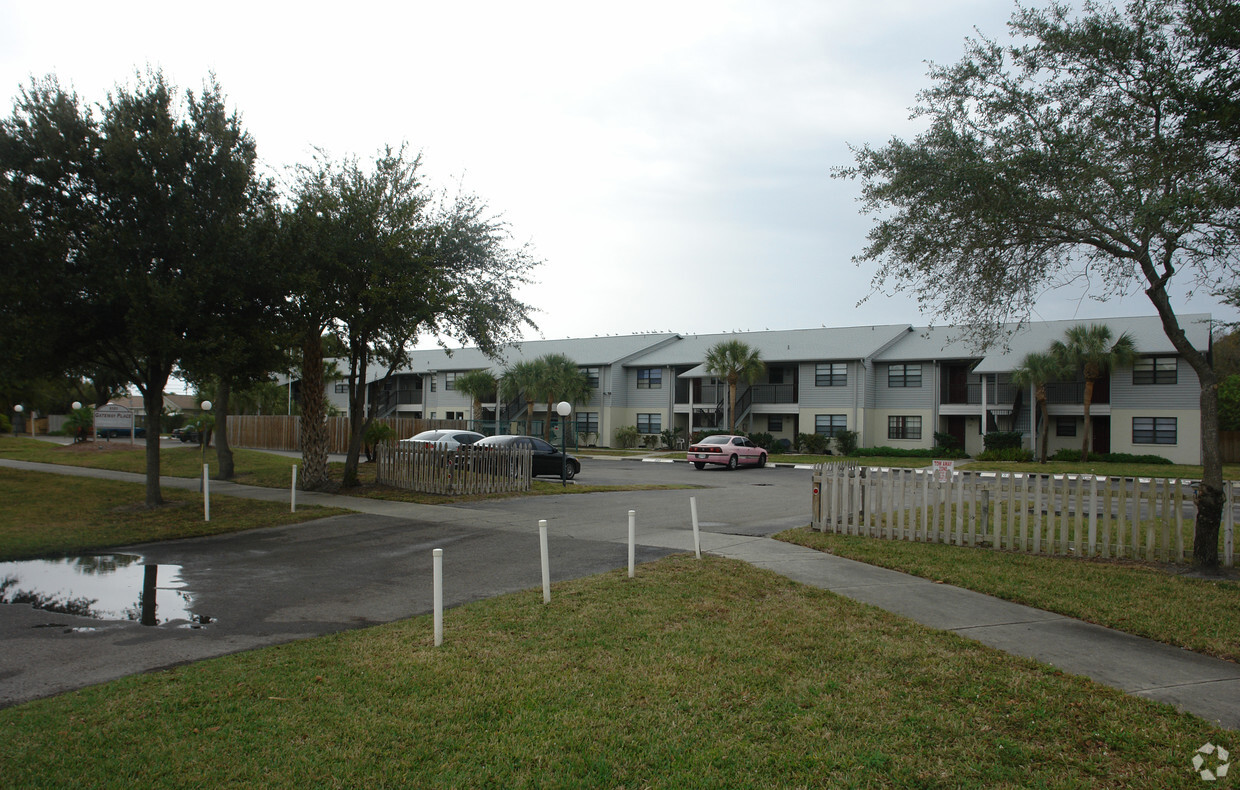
x,y
432,383
775,375
1154,370
903,427
1065,426
342,388
904,375
649,423
449,381
591,377
1153,430
649,379
774,423
831,374
454,415
587,422
830,424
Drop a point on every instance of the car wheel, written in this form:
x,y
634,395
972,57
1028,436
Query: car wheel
x,y
699,464
761,461
732,462
570,471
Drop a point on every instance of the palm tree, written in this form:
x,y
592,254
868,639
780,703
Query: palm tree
x,y
548,379
1089,349
478,385
734,361
1036,370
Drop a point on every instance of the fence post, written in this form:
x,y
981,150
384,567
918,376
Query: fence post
x,y
1150,541
959,511
293,492
206,493
437,579
632,540
546,563
1036,526
1093,515
697,541
1179,519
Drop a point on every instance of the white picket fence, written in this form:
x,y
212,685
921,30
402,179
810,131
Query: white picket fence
x,y
466,470
1080,515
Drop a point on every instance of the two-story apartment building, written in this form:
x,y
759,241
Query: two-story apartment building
x,y
894,384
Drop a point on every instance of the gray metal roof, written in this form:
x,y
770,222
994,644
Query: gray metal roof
x,y
585,351
951,342
791,345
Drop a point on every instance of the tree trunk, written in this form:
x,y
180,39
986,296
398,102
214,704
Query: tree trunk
x,y
1089,397
153,403
357,421
1210,498
1045,429
732,405
222,451
313,414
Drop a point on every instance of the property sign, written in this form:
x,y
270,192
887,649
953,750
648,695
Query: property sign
x,y
112,416
943,471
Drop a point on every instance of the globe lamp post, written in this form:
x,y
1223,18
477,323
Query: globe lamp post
x,y
564,408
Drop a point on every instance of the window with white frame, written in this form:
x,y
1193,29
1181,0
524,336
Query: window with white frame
x,y
904,375
449,381
649,423
342,388
1065,426
830,424
774,423
1153,430
831,374
649,378
900,427
1155,370
591,377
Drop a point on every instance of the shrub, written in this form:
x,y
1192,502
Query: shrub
x,y
814,443
6,425
670,437
946,441
1015,454
1074,456
847,441
651,440
1002,440
626,436
762,440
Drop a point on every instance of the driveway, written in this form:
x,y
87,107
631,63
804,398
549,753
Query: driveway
x,y
269,586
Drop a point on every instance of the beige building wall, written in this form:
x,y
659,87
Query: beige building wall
x,y
1186,450
877,429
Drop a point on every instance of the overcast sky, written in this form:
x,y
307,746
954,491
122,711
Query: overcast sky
x,y
669,161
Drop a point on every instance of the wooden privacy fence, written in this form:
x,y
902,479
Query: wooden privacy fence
x,y
278,432
468,469
1078,515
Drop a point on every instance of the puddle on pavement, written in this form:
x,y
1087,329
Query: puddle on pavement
x,y
102,587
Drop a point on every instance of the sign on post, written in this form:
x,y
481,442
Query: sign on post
x,y
114,416
943,471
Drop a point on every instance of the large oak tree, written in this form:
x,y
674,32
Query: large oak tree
x,y
114,221
1097,150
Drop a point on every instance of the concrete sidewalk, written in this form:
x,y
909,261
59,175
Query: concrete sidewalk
x,y
1207,687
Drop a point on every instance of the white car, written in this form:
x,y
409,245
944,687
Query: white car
x,y
442,439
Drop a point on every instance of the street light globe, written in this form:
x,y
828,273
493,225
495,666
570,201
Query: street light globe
x,y
18,408
77,404
206,405
563,408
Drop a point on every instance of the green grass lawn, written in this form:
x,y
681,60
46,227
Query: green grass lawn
x,y
1150,601
706,673
44,515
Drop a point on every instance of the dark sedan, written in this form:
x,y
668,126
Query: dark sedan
x,y
547,458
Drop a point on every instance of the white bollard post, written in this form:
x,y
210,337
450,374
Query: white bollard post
x,y
632,539
206,493
293,492
697,540
546,563
438,605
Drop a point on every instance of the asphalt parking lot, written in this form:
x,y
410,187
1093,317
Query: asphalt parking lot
x,y
276,585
